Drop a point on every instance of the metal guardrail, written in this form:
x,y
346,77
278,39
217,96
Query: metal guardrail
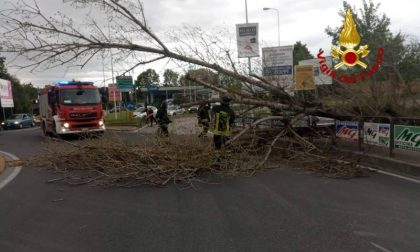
x,y
392,121
278,123
329,122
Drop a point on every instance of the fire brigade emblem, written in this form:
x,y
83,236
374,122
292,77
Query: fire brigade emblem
x,y
349,39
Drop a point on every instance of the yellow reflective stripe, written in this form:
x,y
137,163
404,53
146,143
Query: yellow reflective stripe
x,y
216,127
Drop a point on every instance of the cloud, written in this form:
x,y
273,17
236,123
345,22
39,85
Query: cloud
x,y
303,20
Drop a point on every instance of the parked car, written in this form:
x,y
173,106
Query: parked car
x,y
18,121
141,112
116,109
193,109
175,110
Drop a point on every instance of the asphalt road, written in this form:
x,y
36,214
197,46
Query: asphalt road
x,y
279,210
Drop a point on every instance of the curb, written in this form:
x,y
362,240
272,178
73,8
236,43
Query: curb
x,y
8,174
2,163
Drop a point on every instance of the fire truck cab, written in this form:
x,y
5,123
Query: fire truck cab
x,y
71,107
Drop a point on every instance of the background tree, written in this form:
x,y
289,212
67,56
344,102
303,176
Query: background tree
x,y
145,78
382,93
23,94
148,77
409,67
51,41
300,52
170,78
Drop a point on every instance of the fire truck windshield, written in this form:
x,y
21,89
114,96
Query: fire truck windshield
x,y
79,96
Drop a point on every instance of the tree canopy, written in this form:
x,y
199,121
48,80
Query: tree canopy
x,y
23,94
374,30
148,77
300,52
170,78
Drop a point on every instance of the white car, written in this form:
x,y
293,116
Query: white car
x,y
175,110
141,112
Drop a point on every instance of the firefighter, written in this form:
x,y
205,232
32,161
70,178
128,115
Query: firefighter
x,y
163,119
223,120
203,117
150,116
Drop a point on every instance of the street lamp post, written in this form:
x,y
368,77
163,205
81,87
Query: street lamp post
x,y
278,22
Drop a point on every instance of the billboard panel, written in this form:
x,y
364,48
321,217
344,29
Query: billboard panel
x,y
113,93
304,78
407,137
247,38
377,134
347,131
278,66
6,94
319,78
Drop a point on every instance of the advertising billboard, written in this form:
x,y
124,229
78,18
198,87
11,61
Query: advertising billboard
x,y
377,134
319,79
347,131
113,93
407,137
304,78
247,38
6,94
277,65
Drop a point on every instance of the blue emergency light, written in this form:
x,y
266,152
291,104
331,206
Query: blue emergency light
x,y
67,83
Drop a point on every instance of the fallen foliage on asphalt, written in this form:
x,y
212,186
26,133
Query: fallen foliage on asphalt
x,y
129,163
184,160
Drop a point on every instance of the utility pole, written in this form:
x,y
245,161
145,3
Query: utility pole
x,y
246,18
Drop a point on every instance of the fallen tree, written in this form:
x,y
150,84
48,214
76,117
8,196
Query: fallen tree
x,y
53,41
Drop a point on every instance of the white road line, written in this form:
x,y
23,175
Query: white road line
x,y
15,172
385,172
399,176
380,247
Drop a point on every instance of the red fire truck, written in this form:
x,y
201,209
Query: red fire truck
x,y
71,107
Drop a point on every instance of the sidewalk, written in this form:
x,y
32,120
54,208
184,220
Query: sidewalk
x,y
405,162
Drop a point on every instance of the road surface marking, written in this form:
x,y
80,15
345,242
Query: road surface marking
x,y
384,172
398,176
380,247
14,173
390,174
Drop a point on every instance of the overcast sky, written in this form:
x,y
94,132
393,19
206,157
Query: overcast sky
x,y
300,20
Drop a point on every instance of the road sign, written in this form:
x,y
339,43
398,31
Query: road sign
x,y
125,83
